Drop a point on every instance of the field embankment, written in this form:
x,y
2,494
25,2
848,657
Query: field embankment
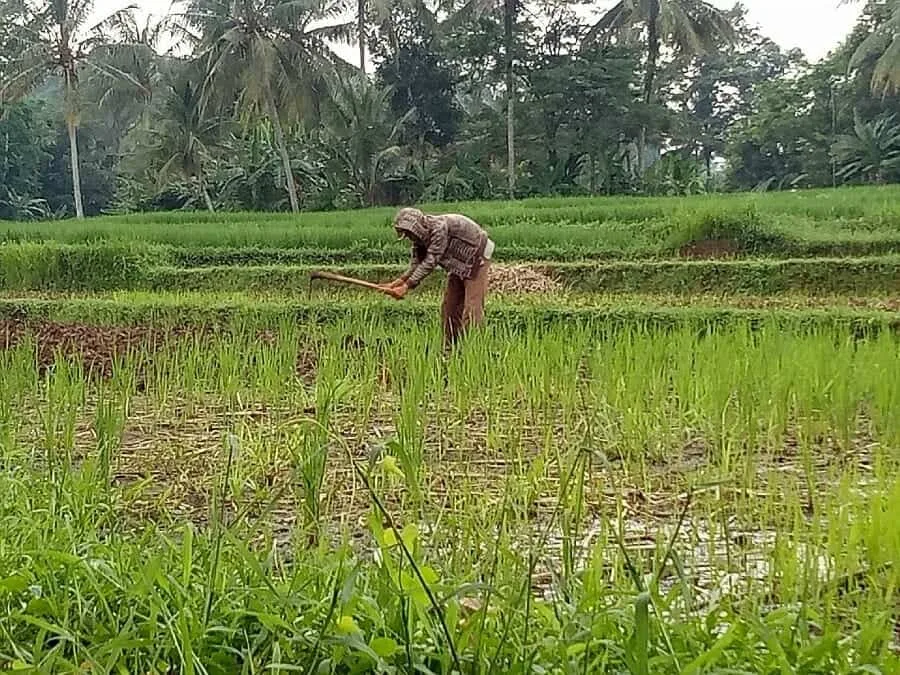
x,y
672,449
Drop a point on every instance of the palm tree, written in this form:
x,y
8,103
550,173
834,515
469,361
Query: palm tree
x,y
262,56
364,134
871,151
16,19
509,24
361,33
382,12
56,42
691,27
882,43
381,9
473,9
184,135
139,48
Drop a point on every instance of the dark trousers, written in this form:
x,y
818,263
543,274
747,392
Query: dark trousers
x,y
464,303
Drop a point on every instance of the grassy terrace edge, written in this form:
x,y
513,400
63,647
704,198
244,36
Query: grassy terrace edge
x,y
170,310
106,267
760,277
626,244
878,204
852,221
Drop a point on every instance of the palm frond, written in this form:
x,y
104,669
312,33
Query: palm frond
x,y
121,23
883,44
23,81
342,32
615,20
886,75
115,73
471,10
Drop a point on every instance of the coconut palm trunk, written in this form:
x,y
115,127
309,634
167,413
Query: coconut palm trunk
x,y
72,128
652,50
509,19
283,151
70,101
650,74
361,31
205,192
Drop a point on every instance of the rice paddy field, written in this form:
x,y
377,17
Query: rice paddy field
x,y
673,448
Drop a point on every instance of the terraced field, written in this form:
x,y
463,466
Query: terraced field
x,y
674,448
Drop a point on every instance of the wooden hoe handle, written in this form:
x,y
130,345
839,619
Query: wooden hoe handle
x,y
331,276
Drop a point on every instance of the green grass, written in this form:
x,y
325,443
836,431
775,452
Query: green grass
x,y
817,276
86,267
642,502
32,265
666,467
856,222
227,309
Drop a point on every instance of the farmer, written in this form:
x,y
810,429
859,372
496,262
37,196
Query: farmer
x,y
463,249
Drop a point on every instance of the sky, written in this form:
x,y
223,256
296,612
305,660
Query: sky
x,y
815,26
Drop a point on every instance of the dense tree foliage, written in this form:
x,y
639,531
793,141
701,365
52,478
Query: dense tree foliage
x,y
244,105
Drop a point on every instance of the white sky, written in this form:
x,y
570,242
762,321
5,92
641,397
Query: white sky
x,y
816,26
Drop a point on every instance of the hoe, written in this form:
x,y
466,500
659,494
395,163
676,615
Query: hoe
x,y
331,276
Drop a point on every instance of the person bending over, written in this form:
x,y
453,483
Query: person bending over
x,y
460,246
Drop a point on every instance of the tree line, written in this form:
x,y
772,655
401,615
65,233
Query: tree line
x,y
243,104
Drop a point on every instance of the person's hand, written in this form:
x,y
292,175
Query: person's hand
x,y
399,291
397,288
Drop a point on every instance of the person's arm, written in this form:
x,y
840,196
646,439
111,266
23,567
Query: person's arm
x,y
436,248
414,261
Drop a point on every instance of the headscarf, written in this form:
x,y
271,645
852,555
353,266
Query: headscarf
x,y
412,222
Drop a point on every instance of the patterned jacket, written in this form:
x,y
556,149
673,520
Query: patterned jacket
x,y
452,241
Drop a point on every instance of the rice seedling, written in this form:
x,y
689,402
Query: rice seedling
x,y
560,498
685,467
836,222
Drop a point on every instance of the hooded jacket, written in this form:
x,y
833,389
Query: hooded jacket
x,y
452,241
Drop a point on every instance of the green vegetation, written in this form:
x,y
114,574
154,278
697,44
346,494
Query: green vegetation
x,y
672,448
816,276
224,310
649,502
753,277
465,102
646,463
858,222
591,226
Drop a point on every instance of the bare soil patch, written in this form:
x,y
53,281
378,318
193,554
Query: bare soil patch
x,y
97,348
710,248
